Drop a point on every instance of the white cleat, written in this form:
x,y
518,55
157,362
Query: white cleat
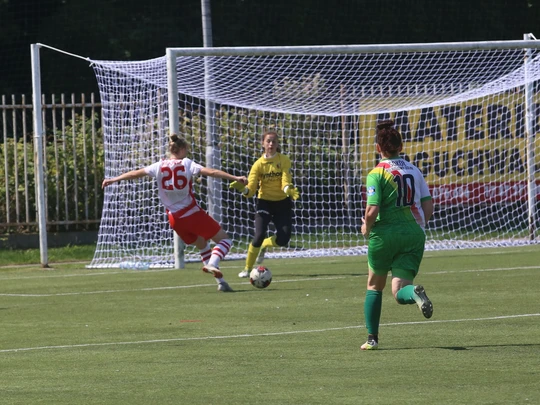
x,y
260,257
212,270
243,274
224,287
370,345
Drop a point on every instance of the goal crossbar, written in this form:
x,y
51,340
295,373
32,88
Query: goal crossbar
x,y
353,49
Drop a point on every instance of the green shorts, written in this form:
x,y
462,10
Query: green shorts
x,y
400,253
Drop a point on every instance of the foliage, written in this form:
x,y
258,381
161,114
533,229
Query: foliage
x,y
74,163
321,163
73,170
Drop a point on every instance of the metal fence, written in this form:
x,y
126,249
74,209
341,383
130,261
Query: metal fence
x,y
73,149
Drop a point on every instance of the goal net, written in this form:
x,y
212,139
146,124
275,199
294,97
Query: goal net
x,y
468,114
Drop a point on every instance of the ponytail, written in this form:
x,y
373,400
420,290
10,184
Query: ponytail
x,y
176,143
388,138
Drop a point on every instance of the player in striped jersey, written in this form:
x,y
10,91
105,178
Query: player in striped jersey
x,y
193,225
271,175
399,205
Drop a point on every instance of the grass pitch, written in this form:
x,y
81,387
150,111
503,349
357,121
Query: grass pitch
x,y
72,335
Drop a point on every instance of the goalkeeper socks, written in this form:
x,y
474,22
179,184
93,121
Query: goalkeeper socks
x,y
252,254
269,242
372,311
406,295
220,251
206,253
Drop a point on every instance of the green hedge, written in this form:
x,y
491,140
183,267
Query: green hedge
x,y
73,173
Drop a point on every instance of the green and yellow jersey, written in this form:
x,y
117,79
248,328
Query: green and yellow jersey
x,y
398,188
270,176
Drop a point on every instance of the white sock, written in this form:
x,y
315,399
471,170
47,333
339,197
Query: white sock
x,y
220,251
206,252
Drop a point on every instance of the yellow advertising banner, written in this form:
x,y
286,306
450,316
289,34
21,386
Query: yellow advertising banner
x,y
468,152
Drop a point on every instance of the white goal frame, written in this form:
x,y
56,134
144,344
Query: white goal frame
x,y
528,48
528,43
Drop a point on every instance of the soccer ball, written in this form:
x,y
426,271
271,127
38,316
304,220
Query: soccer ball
x,y
260,277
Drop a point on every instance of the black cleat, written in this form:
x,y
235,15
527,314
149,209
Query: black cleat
x,y
423,301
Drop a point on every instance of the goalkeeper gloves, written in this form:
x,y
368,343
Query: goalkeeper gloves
x,y
237,186
292,192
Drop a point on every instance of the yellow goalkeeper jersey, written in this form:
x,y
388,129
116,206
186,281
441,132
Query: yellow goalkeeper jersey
x,y
270,176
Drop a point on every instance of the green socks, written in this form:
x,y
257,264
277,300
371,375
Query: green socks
x,y
372,311
406,295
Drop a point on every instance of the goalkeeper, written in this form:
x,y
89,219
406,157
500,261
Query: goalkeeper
x,y
270,174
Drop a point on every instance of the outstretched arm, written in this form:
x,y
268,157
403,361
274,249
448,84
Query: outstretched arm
x,y
220,174
134,174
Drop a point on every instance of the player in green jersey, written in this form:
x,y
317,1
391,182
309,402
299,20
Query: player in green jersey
x,y
398,207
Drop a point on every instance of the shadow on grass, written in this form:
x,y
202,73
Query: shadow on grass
x,y
322,275
482,346
469,347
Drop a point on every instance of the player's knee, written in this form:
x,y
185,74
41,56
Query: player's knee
x,y
218,237
258,237
283,240
257,240
283,237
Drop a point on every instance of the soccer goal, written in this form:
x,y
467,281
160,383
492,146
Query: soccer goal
x,y
469,114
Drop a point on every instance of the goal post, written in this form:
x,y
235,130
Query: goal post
x,y
469,114
530,131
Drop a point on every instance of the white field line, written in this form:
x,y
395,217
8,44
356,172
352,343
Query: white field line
x,y
247,283
254,335
479,270
230,265
177,287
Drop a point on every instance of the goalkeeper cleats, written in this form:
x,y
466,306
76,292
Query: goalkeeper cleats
x,y
244,274
423,301
212,270
371,344
224,287
260,257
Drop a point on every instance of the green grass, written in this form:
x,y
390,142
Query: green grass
x,y
9,257
72,335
